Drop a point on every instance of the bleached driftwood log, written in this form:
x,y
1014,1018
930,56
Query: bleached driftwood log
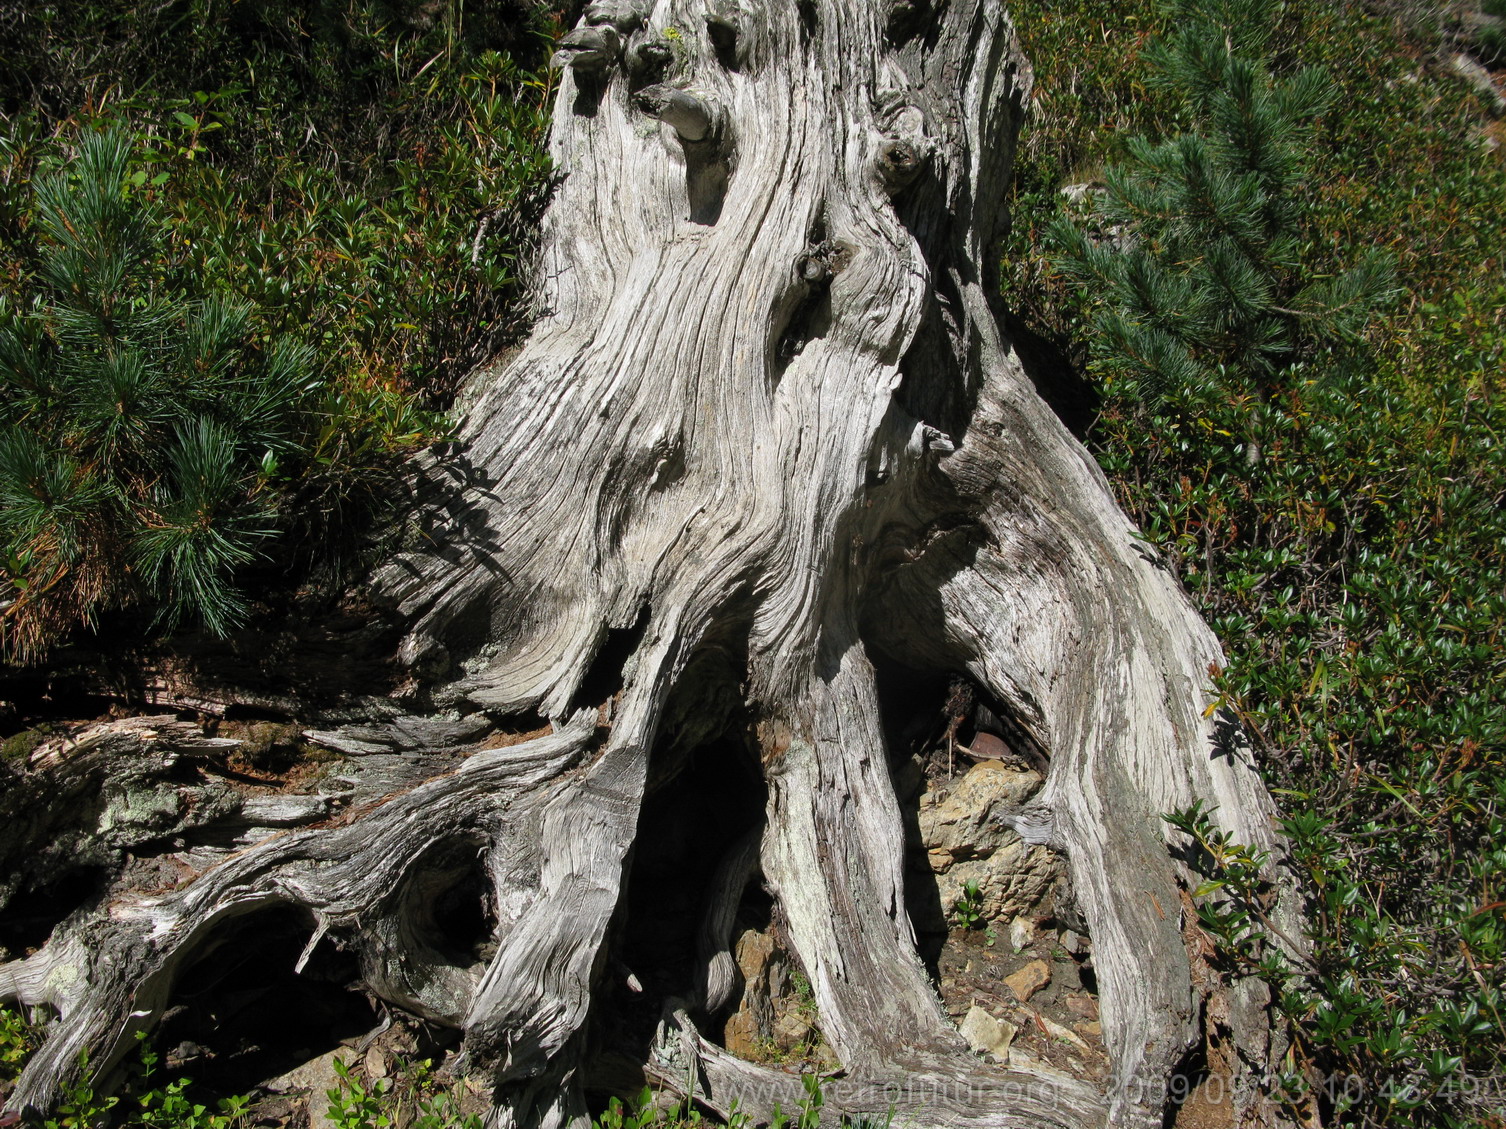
x,y
765,429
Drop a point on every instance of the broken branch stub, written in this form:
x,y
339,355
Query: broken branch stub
x,y
589,49
682,111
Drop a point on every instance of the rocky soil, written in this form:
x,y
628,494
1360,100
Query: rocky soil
x,y
1012,962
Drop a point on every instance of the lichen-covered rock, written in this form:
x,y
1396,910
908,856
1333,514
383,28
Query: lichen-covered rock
x,y
137,811
966,840
776,1019
965,823
79,800
985,1034
135,803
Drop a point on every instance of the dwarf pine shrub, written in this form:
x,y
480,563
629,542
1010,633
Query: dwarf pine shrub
x,y
1194,264
220,342
141,425
1352,571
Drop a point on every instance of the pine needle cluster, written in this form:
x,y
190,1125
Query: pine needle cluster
x,y
224,329
142,427
1193,263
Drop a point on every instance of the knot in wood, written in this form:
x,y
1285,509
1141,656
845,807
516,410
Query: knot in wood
x,y
649,59
817,265
588,49
813,268
904,19
937,440
926,438
900,161
724,24
622,16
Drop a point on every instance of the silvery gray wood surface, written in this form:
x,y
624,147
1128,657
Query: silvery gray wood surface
x,y
766,410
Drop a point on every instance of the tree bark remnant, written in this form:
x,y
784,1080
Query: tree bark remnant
x,y
767,425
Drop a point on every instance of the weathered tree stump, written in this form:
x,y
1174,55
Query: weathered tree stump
x,y
765,433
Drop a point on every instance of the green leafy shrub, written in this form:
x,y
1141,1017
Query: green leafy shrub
x,y
155,1104
146,1102
16,1043
644,1113
416,1099
968,912
1353,572
373,166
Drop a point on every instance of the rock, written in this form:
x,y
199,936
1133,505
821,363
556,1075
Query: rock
x,y
1057,1031
1071,942
1091,1028
965,840
754,951
1085,1006
1028,980
1012,880
314,1077
1021,933
791,1029
965,823
985,1034
749,1032
775,1015
375,1062
986,746
740,1035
